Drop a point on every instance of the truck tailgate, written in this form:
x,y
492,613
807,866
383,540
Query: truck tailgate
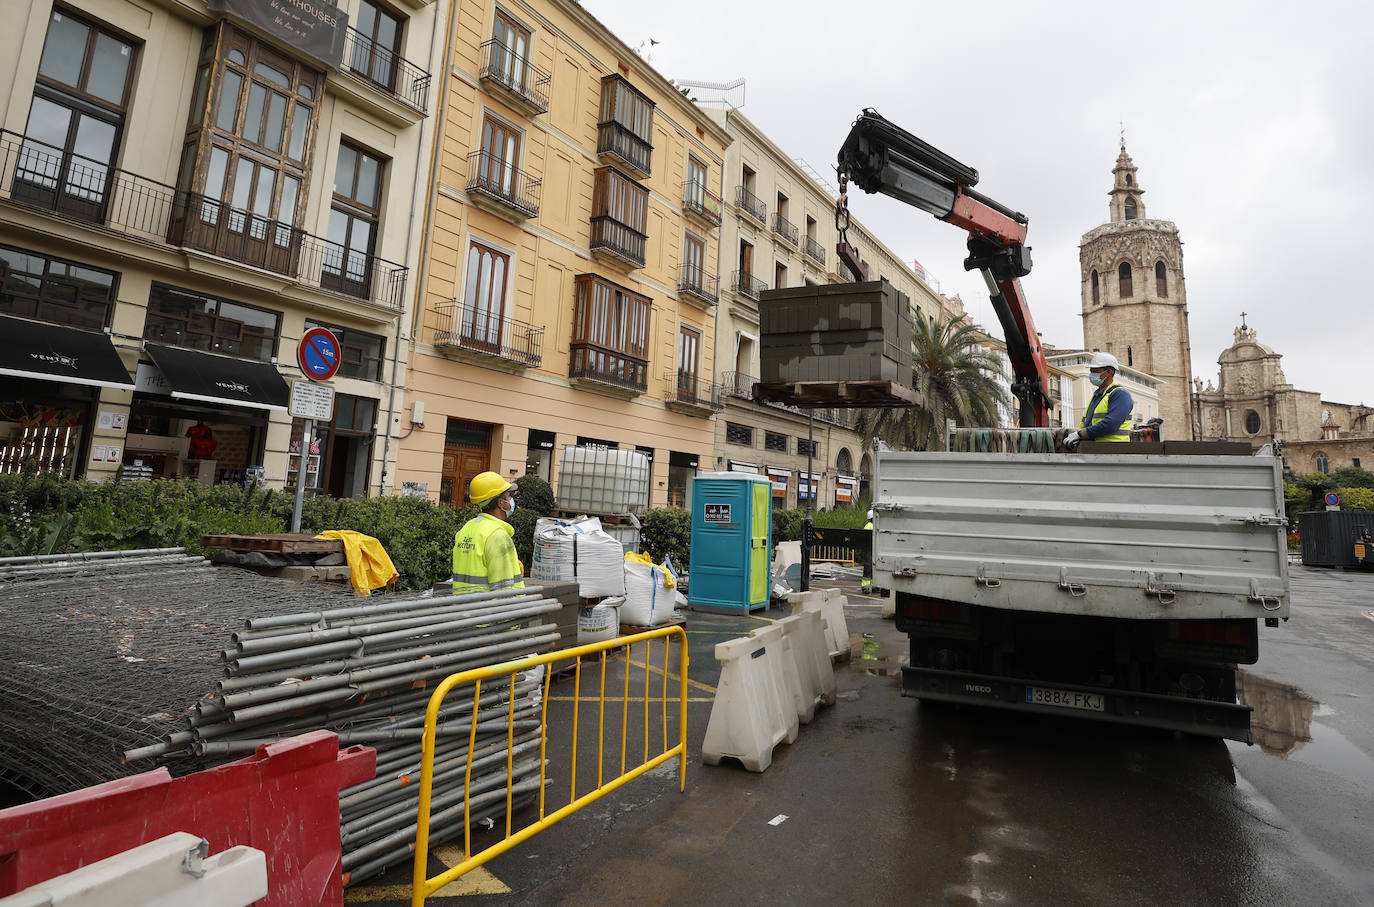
x,y
1113,535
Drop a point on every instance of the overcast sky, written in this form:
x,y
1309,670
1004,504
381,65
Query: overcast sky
x,y
1251,125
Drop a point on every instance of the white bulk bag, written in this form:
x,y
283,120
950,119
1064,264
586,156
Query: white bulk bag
x,y
649,595
567,550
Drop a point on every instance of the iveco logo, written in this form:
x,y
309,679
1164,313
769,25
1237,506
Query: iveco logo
x,y
232,386
977,688
55,359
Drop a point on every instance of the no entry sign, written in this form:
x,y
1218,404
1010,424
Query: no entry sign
x,y
318,354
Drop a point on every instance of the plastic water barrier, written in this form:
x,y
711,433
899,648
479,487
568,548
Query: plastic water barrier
x,y
599,658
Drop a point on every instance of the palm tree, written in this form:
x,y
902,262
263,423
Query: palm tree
x,y
957,378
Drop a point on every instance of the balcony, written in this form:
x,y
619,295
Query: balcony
x,y
699,286
617,144
385,70
488,338
691,396
605,370
751,204
522,84
498,187
814,251
616,243
785,228
81,190
748,286
701,203
737,384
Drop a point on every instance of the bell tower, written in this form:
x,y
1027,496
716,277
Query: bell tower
x,y
1134,302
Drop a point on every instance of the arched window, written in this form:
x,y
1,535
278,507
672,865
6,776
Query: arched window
x,y
1323,464
1130,209
844,463
1097,299
1252,422
1124,273
1130,180
1161,280
1130,356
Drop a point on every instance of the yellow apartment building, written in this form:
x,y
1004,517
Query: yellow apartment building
x,y
779,231
569,285
186,187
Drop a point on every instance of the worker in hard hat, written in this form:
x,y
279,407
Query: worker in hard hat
x,y
484,557
1110,407
866,584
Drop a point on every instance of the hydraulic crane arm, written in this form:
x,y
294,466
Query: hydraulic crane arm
x,y
881,157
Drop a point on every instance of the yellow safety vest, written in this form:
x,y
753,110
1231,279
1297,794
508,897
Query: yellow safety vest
x,y
1098,413
484,556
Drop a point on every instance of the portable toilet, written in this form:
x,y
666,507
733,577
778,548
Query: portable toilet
x,y
731,539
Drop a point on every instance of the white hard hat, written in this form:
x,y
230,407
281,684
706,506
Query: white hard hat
x,y
870,514
1104,360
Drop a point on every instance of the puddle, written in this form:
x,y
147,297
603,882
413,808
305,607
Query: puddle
x,y
1282,720
869,654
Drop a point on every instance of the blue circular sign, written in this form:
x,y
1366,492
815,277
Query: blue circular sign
x,y
318,354
1332,499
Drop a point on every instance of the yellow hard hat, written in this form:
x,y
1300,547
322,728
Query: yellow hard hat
x,y
486,486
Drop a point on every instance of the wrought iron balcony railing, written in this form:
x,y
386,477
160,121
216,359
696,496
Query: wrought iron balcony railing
x,y
688,391
621,241
785,228
815,251
748,285
696,282
504,67
82,190
737,384
701,202
385,70
479,330
619,141
751,204
602,364
499,181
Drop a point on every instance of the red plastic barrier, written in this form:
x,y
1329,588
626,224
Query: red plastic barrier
x,y
283,800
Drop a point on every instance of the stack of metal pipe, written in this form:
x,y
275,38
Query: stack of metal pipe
x,y
367,672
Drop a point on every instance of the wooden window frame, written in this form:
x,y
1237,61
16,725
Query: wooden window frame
x,y
689,359
1125,288
357,361
478,320
374,45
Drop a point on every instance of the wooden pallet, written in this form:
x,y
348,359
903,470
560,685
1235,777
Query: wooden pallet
x,y
280,543
837,393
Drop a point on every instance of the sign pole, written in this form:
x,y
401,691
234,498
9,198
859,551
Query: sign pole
x,y
300,474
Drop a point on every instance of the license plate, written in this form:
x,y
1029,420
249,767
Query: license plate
x,y
1064,699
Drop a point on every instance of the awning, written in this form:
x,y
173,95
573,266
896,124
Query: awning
x,y
213,378
51,352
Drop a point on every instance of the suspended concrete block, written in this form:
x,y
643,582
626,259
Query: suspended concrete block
x,y
747,718
784,667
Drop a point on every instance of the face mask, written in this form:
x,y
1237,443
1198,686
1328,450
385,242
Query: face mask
x,y
1095,378
510,508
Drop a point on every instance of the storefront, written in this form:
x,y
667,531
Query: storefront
x,y
778,479
681,468
340,451
200,415
539,454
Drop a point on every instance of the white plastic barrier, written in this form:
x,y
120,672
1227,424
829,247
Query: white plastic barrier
x,y
169,872
783,664
813,653
747,718
830,604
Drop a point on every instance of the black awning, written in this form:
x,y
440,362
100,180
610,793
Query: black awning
x,y
52,352
220,379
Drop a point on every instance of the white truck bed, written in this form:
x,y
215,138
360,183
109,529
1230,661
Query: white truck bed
x,y
1112,535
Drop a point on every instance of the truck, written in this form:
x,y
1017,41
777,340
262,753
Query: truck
x,y
1122,586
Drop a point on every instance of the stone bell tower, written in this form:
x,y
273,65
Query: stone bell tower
x,y
1135,304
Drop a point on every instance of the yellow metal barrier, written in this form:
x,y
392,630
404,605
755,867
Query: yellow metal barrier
x,y
833,554
422,886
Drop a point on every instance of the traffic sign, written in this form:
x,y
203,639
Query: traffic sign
x,y
311,401
318,354
1333,499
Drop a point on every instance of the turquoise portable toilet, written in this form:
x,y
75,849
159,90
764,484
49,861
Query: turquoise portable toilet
x,y
732,535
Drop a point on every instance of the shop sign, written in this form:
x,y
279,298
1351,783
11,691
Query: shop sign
x,y
313,27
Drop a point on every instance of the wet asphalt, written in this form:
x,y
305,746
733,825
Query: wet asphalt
x,y
885,800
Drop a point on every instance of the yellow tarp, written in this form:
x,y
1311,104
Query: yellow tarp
x,y
369,566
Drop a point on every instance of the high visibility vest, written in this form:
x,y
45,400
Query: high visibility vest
x,y
484,558
1097,412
